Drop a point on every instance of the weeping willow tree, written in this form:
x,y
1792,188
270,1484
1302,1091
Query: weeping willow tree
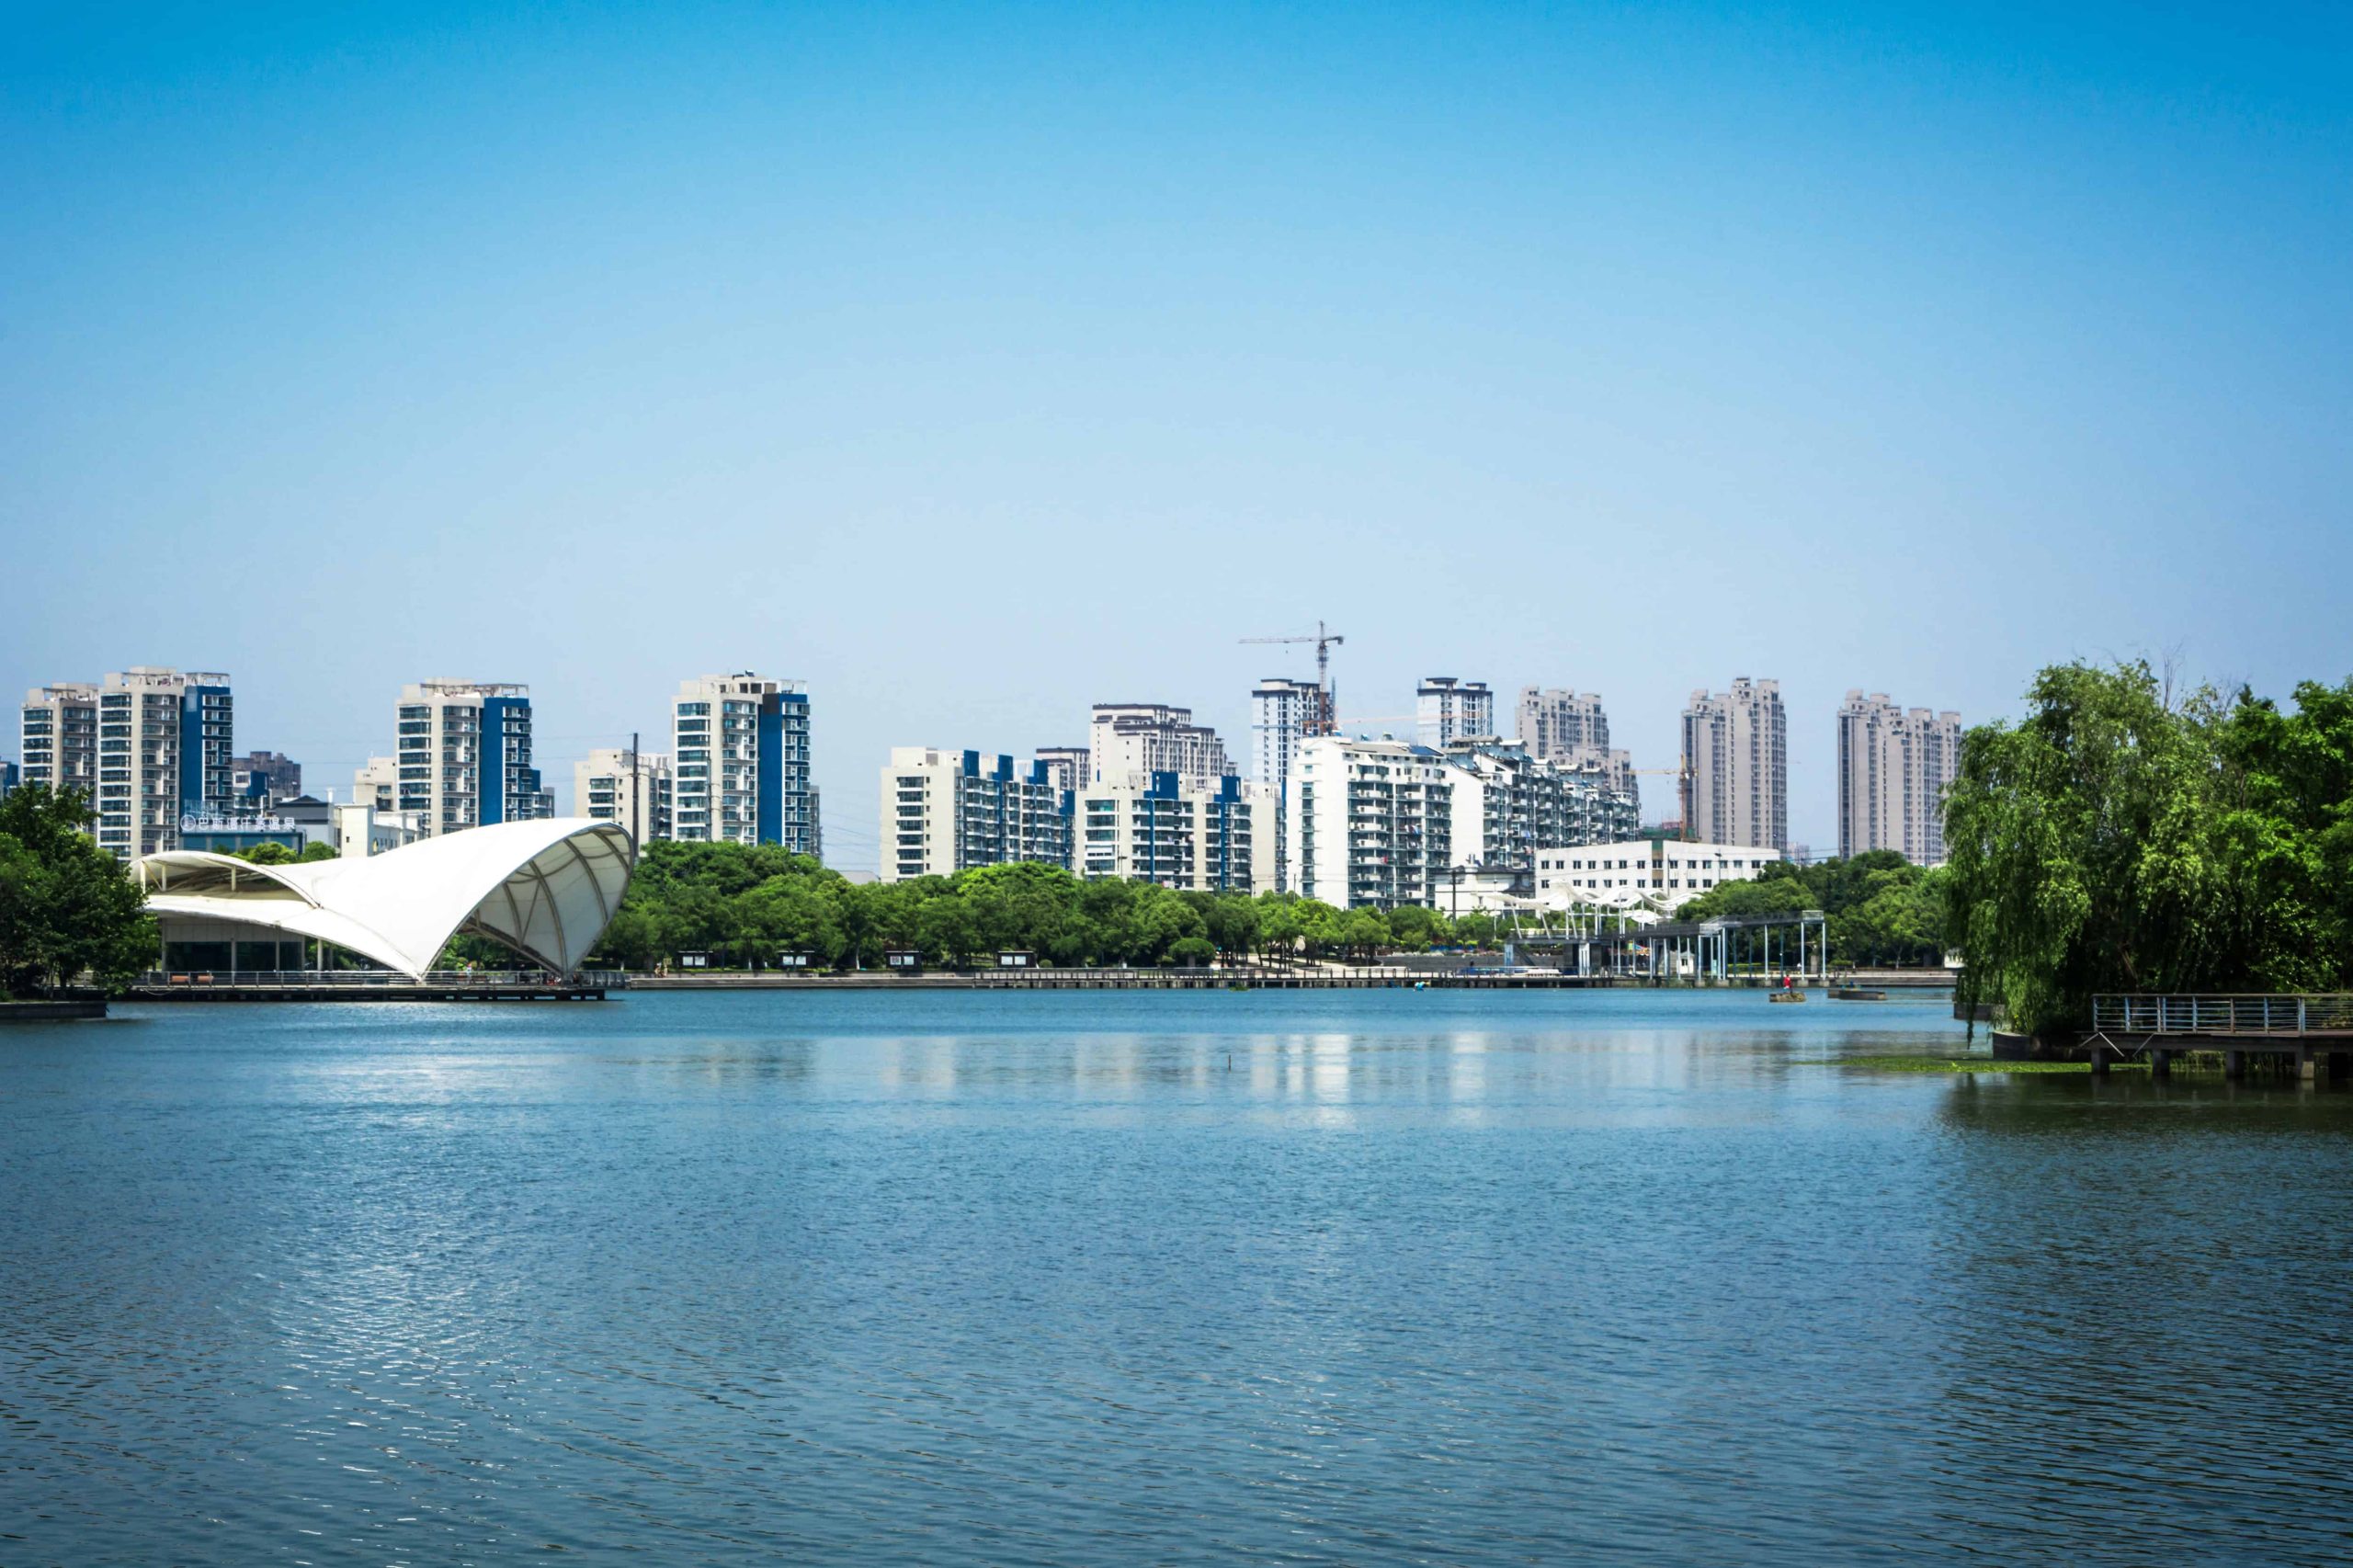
x,y
2122,838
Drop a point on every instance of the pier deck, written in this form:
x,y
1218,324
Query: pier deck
x,y
372,985
2313,1031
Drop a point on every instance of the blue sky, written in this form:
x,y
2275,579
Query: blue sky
x,y
976,364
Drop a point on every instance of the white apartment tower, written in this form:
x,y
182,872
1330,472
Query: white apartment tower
x,y
464,758
60,737
1283,712
1736,767
740,748
1177,832
1367,823
1123,738
944,811
617,785
1446,708
1893,768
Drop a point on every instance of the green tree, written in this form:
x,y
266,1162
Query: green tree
x,y
2085,850
67,908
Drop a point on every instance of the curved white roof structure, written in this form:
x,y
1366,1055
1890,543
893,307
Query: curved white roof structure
x,y
547,889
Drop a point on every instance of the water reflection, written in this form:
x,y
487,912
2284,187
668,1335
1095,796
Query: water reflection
x,y
1377,1278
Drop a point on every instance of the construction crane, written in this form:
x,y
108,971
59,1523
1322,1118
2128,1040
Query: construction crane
x,y
1322,722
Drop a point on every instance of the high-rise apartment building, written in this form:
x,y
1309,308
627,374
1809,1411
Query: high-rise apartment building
x,y
1560,725
1737,768
1367,823
1446,708
634,788
1212,836
161,751
265,777
1505,805
740,746
377,783
464,755
1068,766
1893,768
1152,737
944,811
60,736
1283,712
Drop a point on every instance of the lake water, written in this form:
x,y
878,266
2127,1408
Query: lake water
x,y
1385,1277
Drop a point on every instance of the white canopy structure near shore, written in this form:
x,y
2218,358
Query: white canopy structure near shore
x,y
546,888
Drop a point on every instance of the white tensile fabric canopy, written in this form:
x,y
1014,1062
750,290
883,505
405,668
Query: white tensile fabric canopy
x,y
547,889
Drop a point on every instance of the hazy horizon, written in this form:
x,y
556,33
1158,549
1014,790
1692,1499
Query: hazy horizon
x,y
971,367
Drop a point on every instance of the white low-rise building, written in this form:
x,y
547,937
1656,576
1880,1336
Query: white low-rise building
x,y
1663,872
1188,833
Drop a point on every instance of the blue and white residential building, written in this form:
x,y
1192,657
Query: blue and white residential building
x,y
944,811
464,755
1194,835
740,763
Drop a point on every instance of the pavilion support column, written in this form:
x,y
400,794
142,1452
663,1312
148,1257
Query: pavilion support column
x,y
2234,1065
2099,1061
2307,1064
2160,1064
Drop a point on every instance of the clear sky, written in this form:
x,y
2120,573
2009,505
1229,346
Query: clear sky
x,y
976,364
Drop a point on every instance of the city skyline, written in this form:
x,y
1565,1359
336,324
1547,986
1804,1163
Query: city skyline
x,y
558,777
1912,353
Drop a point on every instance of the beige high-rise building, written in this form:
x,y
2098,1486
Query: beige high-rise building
x,y
60,737
1560,725
377,783
1893,768
1569,727
1152,737
1736,766
617,785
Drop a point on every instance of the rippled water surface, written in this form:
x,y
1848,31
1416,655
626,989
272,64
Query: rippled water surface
x,y
1378,1277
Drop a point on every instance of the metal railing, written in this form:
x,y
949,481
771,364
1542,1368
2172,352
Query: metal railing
x,y
359,979
2278,1014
